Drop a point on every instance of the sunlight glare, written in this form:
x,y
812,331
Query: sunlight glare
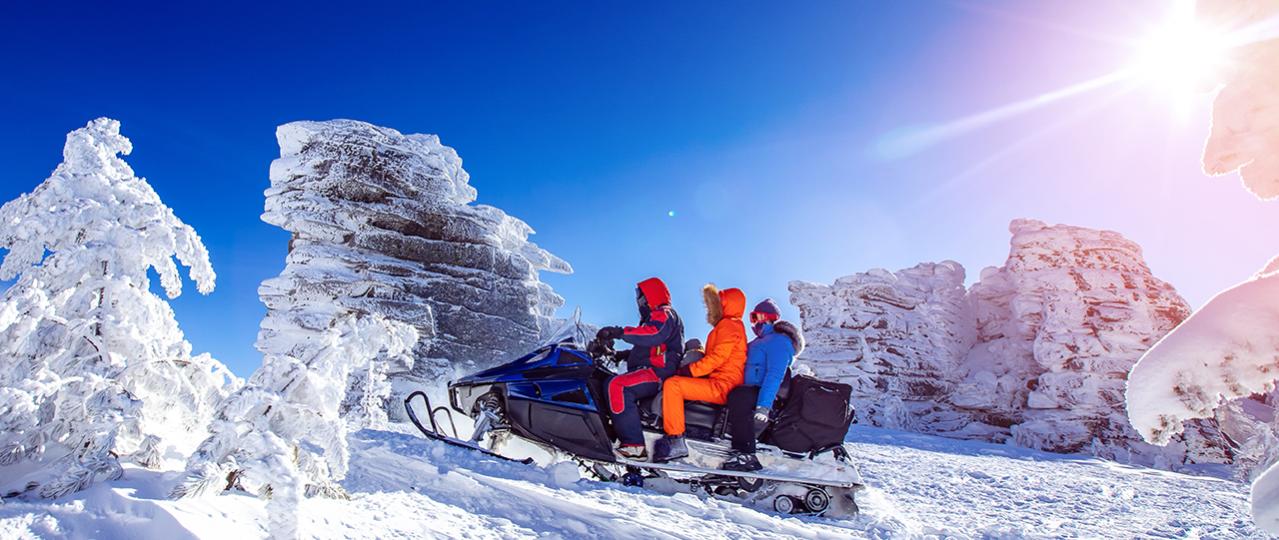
x,y
1182,57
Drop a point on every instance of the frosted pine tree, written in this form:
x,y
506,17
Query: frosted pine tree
x,y
93,366
282,436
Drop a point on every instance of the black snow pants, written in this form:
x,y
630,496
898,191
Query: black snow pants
x,y
741,417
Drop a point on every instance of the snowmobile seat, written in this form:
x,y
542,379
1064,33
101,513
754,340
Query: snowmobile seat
x,y
701,419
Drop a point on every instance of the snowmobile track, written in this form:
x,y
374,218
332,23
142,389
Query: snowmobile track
x,y
756,475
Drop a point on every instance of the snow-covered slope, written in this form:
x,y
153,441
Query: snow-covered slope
x,y
1037,350
384,223
919,486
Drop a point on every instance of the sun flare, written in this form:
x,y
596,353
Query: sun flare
x,y
1180,57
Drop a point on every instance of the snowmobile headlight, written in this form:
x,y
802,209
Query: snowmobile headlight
x,y
463,397
453,395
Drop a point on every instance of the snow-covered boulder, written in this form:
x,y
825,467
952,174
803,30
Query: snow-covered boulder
x,y
384,223
92,364
897,337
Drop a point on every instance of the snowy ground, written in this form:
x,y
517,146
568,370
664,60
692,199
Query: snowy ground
x,y
920,486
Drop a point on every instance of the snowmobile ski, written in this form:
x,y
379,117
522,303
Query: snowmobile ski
x,y
434,432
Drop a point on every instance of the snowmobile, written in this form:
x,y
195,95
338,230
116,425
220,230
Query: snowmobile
x,y
554,399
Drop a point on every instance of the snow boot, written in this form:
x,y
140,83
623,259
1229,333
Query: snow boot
x,y
669,448
741,462
633,452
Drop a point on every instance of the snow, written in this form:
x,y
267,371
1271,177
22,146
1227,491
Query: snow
x,y
282,436
920,486
1225,350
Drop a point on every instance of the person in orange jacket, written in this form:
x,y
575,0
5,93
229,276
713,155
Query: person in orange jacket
x,y
709,379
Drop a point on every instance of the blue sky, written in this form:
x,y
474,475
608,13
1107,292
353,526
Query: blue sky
x,y
761,127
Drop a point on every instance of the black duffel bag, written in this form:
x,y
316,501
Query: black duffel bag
x,y
814,416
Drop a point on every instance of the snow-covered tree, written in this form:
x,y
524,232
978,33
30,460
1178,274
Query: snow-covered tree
x,y
282,435
1229,349
92,364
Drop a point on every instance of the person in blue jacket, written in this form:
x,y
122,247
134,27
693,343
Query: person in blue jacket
x,y
768,357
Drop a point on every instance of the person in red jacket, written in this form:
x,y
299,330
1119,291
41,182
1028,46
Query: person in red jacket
x,y
712,377
657,347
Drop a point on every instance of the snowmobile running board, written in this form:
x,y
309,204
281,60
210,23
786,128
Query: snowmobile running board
x,y
434,432
756,475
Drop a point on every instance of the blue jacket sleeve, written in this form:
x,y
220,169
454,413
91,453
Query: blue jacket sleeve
x,y
778,357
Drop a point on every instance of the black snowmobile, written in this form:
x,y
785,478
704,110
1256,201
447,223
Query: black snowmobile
x,y
554,398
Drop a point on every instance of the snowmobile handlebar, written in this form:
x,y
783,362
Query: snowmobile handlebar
x,y
601,349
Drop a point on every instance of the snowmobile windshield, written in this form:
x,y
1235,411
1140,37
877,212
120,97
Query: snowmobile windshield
x,y
570,330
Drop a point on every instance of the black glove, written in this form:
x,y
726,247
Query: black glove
x,y
597,348
683,371
609,333
760,420
621,356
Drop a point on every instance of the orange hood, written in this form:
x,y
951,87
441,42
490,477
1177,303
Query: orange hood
x,y
733,302
728,303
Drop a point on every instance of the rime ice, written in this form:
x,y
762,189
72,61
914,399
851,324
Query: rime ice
x,y
92,364
384,222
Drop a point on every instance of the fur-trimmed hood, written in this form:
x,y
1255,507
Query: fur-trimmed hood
x,y
791,331
726,303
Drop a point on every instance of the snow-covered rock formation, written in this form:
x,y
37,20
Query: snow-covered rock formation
x,y
384,223
1036,351
391,272
897,337
92,364
1227,350
1059,326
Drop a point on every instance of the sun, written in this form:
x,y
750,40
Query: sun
x,y
1180,57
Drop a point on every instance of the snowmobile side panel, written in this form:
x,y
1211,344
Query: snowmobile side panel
x,y
569,428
